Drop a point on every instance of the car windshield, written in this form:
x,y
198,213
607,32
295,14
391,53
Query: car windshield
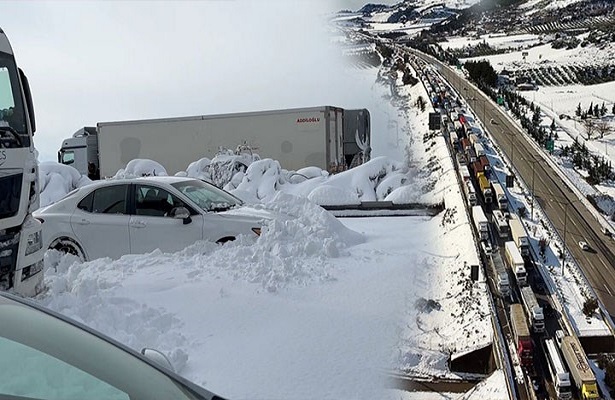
x,y
206,196
13,131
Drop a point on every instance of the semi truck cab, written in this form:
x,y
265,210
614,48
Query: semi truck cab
x,y
21,252
81,152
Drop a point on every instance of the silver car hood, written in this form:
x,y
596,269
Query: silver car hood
x,y
248,212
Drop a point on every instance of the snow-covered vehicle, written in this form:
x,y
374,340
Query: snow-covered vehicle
x,y
55,354
134,216
583,245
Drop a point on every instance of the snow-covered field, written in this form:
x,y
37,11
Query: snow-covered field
x,y
502,41
543,55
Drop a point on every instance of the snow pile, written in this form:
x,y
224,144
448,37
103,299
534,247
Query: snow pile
x,y
141,167
226,168
57,180
84,293
258,181
293,249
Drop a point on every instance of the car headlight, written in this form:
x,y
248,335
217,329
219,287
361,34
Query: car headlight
x,y
257,231
34,243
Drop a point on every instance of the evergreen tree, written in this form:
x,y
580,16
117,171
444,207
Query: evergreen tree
x,y
596,111
613,110
553,125
536,117
578,112
590,110
602,109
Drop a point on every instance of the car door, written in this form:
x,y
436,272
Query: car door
x,y
100,222
152,228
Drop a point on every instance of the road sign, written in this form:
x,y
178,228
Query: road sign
x,y
550,145
500,100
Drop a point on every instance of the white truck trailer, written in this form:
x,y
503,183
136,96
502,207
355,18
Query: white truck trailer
x,y
21,252
500,274
480,222
533,311
327,137
519,236
515,262
500,196
470,192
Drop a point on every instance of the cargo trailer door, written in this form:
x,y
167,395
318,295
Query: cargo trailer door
x,y
335,153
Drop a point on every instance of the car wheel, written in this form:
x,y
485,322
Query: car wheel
x,y
68,246
225,239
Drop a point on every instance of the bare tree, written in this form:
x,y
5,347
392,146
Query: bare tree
x,y
603,128
590,127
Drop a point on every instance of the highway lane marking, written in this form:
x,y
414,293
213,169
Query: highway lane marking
x,y
607,289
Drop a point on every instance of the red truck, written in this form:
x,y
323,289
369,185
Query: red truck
x,y
521,334
484,161
477,167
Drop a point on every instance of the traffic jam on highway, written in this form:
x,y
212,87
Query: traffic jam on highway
x,y
547,358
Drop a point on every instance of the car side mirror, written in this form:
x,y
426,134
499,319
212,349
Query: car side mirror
x,y
181,213
157,357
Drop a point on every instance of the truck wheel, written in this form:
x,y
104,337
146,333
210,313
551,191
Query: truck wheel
x,y
68,246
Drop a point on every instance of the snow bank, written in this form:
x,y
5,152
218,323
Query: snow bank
x,y
258,181
141,167
57,180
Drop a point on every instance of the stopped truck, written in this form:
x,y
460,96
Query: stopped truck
x,y
582,374
485,187
21,252
484,161
534,312
500,196
515,262
521,336
500,275
519,236
470,192
480,222
327,137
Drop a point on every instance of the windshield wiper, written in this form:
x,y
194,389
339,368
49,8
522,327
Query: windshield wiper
x,y
9,137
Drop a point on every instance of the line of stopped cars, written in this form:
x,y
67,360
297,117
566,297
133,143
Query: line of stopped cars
x,y
115,217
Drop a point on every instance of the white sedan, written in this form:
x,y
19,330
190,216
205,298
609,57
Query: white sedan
x,y
134,216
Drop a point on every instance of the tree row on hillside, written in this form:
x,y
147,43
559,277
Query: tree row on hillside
x,y
593,111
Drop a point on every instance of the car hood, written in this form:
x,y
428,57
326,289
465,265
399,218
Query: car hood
x,y
248,213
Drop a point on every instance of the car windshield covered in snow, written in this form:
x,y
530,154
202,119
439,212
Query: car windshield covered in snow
x,y
207,196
